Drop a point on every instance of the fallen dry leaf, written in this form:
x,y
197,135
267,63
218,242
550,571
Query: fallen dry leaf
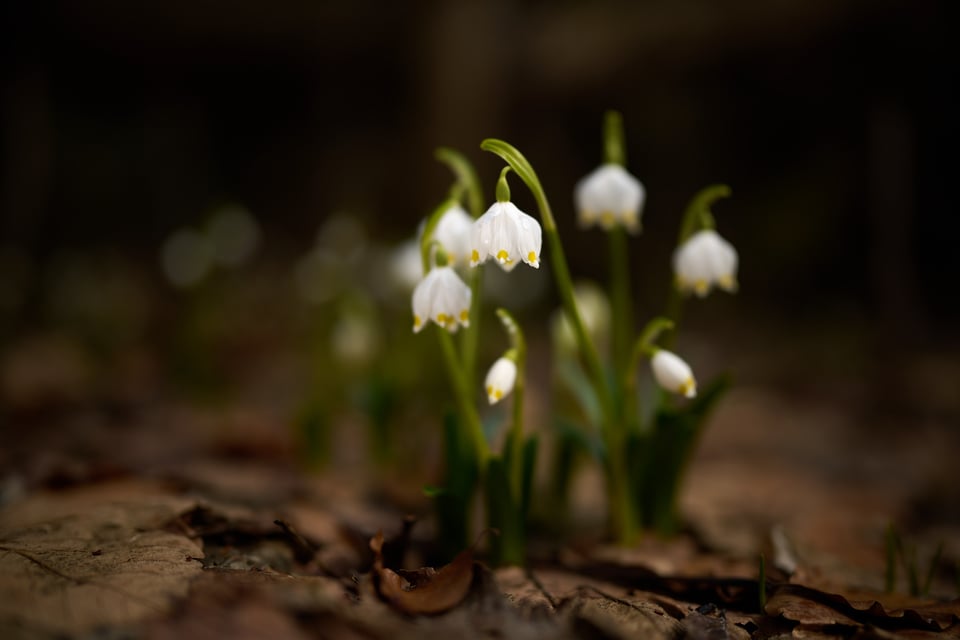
x,y
94,558
427,590
814,607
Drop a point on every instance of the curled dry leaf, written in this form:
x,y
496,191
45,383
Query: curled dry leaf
x,y
424,591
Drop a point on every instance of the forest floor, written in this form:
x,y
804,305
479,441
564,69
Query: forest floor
x,y
162,519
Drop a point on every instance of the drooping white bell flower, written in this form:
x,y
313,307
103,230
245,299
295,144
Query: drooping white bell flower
x,y
673,374
609,196
443,298
703,261
453,234
500,379
507,235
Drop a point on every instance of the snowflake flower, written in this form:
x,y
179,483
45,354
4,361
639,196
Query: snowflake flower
x,y
609,196
500,379
453,234
508,235
673,374
703,261
443,298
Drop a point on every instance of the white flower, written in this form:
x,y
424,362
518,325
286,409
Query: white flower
x,y
609,196
704,260
673,374
442,297
453,234
500,379
506,234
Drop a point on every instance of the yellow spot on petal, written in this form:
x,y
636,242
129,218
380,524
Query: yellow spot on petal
x,y
607,219
688,388
498,394
464,315
443,319
417,321
532,257
701,287
503,256
474,256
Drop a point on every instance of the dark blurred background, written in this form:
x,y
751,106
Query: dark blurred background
x,y
833,121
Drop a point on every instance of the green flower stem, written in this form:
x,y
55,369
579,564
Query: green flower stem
x,y
614,149
698,213
614,152
471,335
643,346
623,516
464,396
561,272
623,506
466,176
515,438
620,300
426,240
468,181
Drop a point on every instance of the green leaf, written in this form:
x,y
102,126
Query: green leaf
x,y
503,513
573,377
666,452
452,501
529,464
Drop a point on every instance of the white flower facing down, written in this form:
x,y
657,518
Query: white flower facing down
x,y
443,298
507,235
673,374
453,234
609,196
500,379
703,261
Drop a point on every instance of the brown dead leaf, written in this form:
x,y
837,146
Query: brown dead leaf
x,y
79,560
813,607
427,590
595,614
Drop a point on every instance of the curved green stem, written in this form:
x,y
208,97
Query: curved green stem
x,y
515,438
466,176
641,347
698,213
464,396
522,167
561,271
622,510
468,183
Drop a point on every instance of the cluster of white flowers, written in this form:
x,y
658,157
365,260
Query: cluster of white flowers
x,y
503,233
608,196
